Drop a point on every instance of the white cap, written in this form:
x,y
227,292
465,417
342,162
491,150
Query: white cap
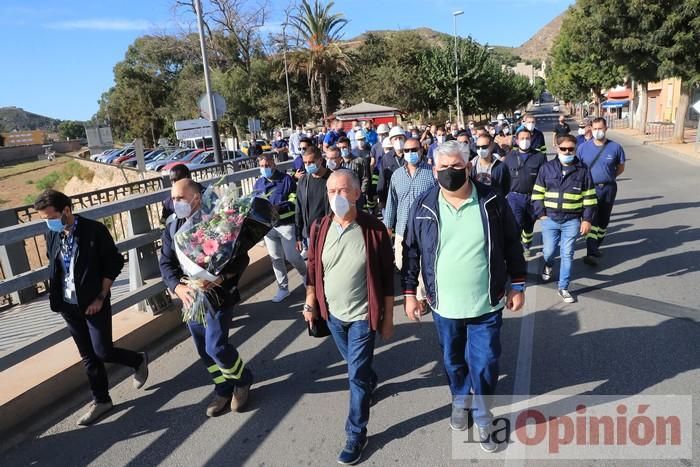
x,y
383,128
359,134
386,143
396,131
501,117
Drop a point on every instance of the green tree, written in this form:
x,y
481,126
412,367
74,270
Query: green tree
x,y
320,55
71,129
579,64
679,39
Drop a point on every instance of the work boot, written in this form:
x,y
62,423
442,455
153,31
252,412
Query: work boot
x,y
95,411
590,260
141,374
240,397
217,405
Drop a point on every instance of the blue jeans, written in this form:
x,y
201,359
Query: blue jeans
x,y
222,360
560,234
470,351
355,341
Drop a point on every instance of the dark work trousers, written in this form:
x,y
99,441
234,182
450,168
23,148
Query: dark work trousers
x,y
222,360
606,193
522,210
93,337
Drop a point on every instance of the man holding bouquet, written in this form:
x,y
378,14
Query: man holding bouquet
x,y
232,379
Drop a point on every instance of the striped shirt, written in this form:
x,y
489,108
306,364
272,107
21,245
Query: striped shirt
x,y
403,190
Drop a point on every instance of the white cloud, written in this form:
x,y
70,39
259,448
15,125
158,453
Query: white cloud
x,y
99,24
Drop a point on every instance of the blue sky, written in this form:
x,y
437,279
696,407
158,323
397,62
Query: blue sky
x,y
58,55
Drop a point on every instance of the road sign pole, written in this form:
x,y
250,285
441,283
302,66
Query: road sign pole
x,y
205,62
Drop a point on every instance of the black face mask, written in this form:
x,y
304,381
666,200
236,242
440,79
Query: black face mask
x,y
452,179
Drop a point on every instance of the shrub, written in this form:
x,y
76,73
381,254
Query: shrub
x,y
48,181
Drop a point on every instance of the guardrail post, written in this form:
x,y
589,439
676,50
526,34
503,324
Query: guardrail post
x,y
143,261
13,258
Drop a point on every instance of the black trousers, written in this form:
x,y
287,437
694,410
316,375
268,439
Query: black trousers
x,y
93,337
606,194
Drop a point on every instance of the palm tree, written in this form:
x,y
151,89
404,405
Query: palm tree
x,y
320,54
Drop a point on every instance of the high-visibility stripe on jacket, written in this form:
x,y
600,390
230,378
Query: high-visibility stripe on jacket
x,y
564,192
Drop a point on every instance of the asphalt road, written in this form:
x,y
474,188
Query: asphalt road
x,y
635,330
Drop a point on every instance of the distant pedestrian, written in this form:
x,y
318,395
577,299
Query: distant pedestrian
x,y
560,129
606,161
83,264
462,238
232,378
564,201
281,241
351,286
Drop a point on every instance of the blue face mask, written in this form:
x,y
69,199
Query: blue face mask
x,y
55,225
345,153
311,169
412,157
266,172
566,159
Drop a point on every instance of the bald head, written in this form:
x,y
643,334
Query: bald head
x,y
186,190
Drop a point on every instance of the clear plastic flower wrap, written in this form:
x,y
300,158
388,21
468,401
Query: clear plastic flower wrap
x,y
225,226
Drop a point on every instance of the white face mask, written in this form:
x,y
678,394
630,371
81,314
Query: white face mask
x,y
581,131
339,205
483,153
524,144
331,164
440,139
506,130
398,145
182,209
530,126
599,135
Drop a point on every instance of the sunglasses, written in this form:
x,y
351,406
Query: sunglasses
x,y
485,146
567,149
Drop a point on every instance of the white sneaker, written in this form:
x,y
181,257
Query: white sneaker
x,y
280,295
568,298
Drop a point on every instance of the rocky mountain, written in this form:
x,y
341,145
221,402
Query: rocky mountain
x,y
538,46
15,118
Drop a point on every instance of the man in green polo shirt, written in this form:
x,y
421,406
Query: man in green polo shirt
x,y
465,237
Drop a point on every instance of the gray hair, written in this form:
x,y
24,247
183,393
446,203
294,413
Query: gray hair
x,y
451,148
349,174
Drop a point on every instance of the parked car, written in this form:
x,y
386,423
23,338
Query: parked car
x,y
264,144
555,108
181,160
96,157
109,159
160,161
125,157
206,159
148,157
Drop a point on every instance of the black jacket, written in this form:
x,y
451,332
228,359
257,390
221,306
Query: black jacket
x,y
389,165
172,272
97,258
303,212
523,174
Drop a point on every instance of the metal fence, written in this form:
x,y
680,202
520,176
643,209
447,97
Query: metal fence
x,y
659,131
132,212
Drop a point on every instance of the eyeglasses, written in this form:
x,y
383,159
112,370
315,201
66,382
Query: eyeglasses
x,y
484,146
567,149
303,148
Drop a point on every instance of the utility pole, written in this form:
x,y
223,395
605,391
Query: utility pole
x,y
205,62
459,106
286,73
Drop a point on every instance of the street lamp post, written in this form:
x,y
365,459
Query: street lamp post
x,y
286,73
459,106
205,62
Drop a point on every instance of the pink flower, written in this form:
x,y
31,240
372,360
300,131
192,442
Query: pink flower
x,y
210,246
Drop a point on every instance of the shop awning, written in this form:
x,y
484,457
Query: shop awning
x,y
615,104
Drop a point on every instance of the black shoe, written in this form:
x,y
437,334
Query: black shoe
x,y
597,254
590,260
352,452
459,420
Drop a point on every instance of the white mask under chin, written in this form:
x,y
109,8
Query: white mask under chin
x,y
339,205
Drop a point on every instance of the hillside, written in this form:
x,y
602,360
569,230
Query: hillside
x,y
426,34
538,46
16,118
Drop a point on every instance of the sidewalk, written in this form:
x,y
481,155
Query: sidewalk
x,y
689,149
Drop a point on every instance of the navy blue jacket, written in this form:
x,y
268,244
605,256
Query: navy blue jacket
x,y
523,174
564,197
281,191
422,240
172,272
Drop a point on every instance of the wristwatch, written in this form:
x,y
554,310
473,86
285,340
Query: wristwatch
x,y
308,307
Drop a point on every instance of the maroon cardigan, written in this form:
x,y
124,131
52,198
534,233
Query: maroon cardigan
x,y
379,261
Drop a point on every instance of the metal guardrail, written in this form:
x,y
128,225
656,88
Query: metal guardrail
x,y
659,131
138,234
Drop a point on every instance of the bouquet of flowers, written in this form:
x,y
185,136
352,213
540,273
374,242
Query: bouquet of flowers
x,y
225,226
